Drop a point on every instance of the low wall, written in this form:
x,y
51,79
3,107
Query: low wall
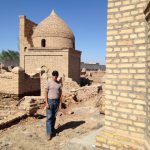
x,y
9,83
19,83
30,85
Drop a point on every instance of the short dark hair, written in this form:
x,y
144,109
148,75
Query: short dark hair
x,y
55,73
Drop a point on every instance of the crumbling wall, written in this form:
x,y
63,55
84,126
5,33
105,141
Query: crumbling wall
x,y
29,84
43,83
29,28
25,40
9,83
74,65
19,83
96,76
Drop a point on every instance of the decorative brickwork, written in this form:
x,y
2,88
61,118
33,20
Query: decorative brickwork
x,y
126,120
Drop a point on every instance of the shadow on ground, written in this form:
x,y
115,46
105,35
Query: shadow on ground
x,y
39,116
69,125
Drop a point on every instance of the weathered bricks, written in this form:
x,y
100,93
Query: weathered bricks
x,y
59,51
127,79
19,83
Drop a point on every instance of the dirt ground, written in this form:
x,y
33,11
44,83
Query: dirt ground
x,y
29,134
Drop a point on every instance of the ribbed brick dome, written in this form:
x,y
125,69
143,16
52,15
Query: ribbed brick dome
x,y
53,26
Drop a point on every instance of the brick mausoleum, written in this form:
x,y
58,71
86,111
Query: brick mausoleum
x,y
51,44
44,47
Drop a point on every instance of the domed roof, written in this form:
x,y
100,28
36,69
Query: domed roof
x,y
53,26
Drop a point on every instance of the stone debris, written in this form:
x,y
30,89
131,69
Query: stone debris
x,y
72,94
93,94
68,85
12,118
31,104
86,92
96,76
7,106
27,106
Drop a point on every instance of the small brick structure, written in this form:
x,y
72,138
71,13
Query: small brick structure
x,y
19,83
127,119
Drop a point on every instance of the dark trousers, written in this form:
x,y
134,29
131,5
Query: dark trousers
x,y
51,115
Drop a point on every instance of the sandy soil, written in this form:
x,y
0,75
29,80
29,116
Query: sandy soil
x,y
29,134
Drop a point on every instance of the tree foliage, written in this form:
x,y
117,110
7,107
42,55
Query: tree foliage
x,y
9,57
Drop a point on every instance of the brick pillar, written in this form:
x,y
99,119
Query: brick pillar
x,y
22,39
126,115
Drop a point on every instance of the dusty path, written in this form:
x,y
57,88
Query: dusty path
x,y
29,134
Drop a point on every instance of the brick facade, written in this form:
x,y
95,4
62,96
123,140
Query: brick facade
x,y
147,14
25,40
126,120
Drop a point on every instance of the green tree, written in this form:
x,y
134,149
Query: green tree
x,y
9,57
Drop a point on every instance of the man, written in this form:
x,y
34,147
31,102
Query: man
x,y
53,99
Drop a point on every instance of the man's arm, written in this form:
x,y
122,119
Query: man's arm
x,y
46,98
61,96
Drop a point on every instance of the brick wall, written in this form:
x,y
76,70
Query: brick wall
x,y
29,28
29,84
9,83
19,83
126,79
25,40
126,72
74,65
52,59
149,82
66,61
147,14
